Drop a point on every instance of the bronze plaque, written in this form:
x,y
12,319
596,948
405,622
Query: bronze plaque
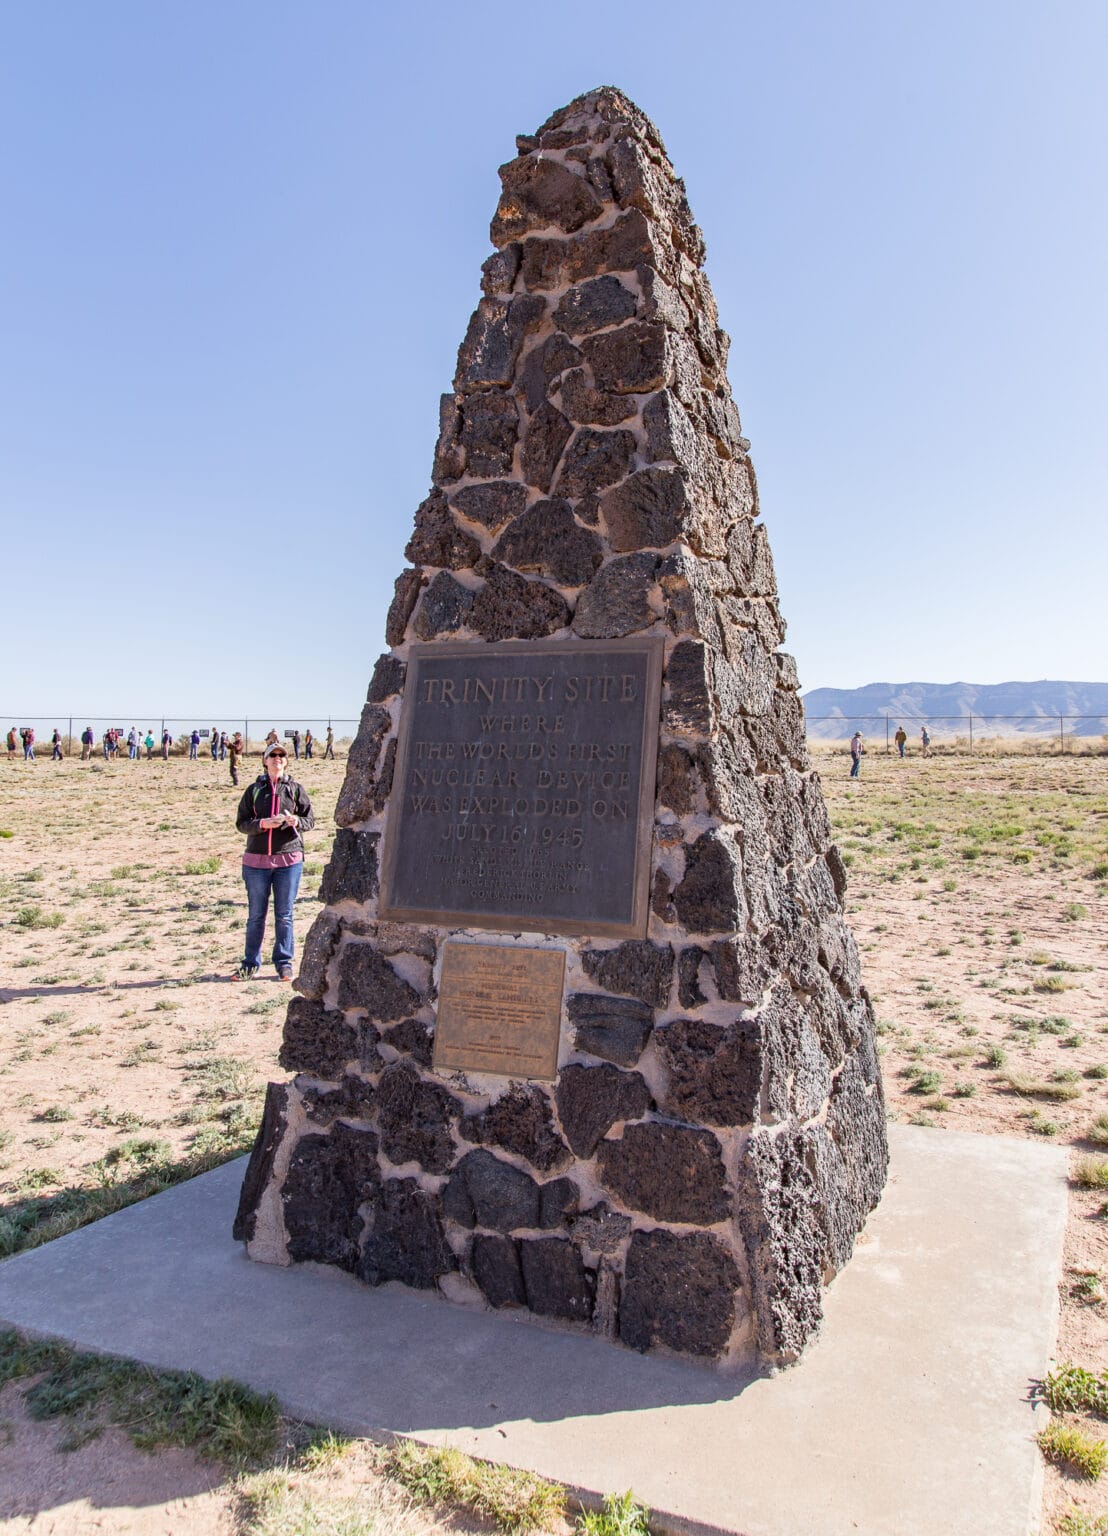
x,y
523,796
500,1010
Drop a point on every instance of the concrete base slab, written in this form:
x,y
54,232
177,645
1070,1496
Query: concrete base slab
x,y
910,1413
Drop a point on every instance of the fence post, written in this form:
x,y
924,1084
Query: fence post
x,y
886,735
245,738
971,735
1062,734
69,738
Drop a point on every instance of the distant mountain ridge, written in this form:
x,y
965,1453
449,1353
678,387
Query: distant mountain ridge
x,y
1039,704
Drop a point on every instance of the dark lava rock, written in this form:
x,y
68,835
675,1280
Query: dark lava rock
x,y
661,889
490,425
545,363
556,1280
547,435
617,600
353,1099
623,246
351,874
485,1192
558,1200
670,435
689,991
496,1269
613,1028
412,1038
856,1122
319,946
838,870
450,461
498,271
785,1242
592,306
382,784
488,355
355,801
637,967
689,704
631,360
414,1118
387,680
595,460
592,1099
677,777
647,511
709,899
260,1166
538,192
798,1076
405,591
444,607
367,980
406,1241
491,504
679,1292
520,1121
437,539
547,538
318,1040
510,607
328,1178
715,1071
670,1172
586,404
741,968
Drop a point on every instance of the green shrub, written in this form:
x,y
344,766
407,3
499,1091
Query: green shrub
x,y
1091,1172
202,866
1039,1088
1072,1389
620,1516
1071,1447
516,1501
35,917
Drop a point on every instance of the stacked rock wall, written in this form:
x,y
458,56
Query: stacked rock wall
x,y
715,1136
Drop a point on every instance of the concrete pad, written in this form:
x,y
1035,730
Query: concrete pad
x,y
911,1412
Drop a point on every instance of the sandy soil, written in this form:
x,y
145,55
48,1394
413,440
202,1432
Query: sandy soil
x,y
973,897
104,1485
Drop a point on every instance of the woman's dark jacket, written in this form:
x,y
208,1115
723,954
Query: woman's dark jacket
x,y
257,802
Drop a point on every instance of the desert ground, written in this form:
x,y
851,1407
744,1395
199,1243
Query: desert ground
x,y
978,896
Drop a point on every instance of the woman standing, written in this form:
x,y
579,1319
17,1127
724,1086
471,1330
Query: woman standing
x,y
272,813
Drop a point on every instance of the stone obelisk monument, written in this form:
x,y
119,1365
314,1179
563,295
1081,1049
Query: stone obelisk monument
x,y
581,1027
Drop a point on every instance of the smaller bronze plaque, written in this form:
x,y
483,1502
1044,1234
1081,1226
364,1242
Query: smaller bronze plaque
x,y
500,1010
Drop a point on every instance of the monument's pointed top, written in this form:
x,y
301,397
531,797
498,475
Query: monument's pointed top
x,y
589,161
605,104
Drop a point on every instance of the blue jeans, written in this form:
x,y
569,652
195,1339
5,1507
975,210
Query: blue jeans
x,y
284,883
855,765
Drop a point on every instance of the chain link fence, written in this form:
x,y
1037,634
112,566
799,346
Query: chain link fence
x,y
988,734
254,730
971,733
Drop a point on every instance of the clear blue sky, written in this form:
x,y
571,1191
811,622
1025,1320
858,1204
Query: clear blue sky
x,y
240,244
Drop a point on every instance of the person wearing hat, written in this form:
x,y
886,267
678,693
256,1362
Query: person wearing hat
x,y
272,813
